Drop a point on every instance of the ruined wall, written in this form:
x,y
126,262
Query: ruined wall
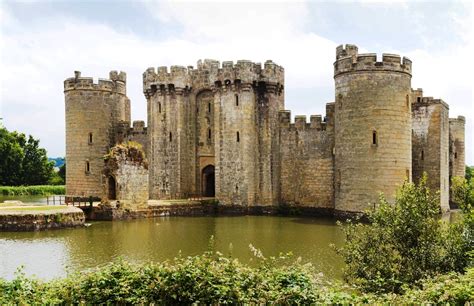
x,y
132,185
125,176
307,163
430,138
372,127
93,114
457,147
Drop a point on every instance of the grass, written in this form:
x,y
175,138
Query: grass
x,y
32,190
31,208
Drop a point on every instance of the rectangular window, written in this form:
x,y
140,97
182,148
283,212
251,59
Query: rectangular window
x,y
374,138
88,167
90,138
238,137
236,100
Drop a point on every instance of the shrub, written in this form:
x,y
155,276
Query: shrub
x,y
212,278
402,243
32,190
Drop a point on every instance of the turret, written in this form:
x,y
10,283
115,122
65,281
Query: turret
x,y
95,113
457,146
372,127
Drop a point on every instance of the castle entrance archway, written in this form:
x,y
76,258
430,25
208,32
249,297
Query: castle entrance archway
x,y
112,189
208,181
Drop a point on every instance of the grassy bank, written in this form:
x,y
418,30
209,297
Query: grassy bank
x,y
32,190
216,279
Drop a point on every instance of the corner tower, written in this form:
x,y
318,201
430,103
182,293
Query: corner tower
x,y
372,127
93,114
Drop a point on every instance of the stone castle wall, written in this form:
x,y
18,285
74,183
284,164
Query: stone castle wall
x,y
307,161
226,124
225,117
457,147
430,141
93,113
372,127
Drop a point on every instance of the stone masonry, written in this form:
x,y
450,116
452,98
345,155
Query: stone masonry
x,y
221,130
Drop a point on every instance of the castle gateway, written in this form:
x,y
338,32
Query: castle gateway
x,y
222,131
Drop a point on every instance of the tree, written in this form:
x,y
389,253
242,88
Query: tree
x,y
22,161
62,172
403,242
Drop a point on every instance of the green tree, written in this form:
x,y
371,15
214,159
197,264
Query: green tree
x,y
11,157
469,173
22,161
403,242
62,172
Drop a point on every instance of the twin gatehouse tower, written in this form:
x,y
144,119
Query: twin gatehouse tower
x,y
222,131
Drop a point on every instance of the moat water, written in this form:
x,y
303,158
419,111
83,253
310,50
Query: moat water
x,y
51,254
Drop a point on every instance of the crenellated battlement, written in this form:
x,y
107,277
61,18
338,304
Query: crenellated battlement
x,y
349,60
210,73
419,100
116,83
316,122
460,120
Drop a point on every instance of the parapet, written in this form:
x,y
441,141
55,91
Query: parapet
x,y
316,122
138,126
116,83
419,100
349,60
460,120
210,73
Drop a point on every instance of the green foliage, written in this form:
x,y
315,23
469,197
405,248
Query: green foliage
x,y
469,173
462,193
212,278
32,190
62,172
22,161
403,243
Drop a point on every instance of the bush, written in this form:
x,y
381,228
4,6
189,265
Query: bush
x,y
403,243
212,278
32,190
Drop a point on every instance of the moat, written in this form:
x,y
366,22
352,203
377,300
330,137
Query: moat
x,y
51,254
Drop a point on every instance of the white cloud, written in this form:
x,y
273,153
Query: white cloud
x,y
34,62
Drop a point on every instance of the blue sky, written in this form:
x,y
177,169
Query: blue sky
x,y
43,42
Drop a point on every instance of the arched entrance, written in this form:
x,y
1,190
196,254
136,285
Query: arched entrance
x,y
112,190
208,181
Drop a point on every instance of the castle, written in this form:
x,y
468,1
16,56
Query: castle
x,y
222,131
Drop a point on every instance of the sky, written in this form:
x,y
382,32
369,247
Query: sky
x,y
44,42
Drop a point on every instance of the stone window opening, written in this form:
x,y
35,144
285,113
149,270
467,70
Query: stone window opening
x,y
88,167
171,137
238,137
209,134
455,155
236,100
90,138
159,107
418,99
374,138
209,107
422,155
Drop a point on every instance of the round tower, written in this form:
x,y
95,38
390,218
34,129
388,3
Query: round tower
x,y
93,115
372,127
